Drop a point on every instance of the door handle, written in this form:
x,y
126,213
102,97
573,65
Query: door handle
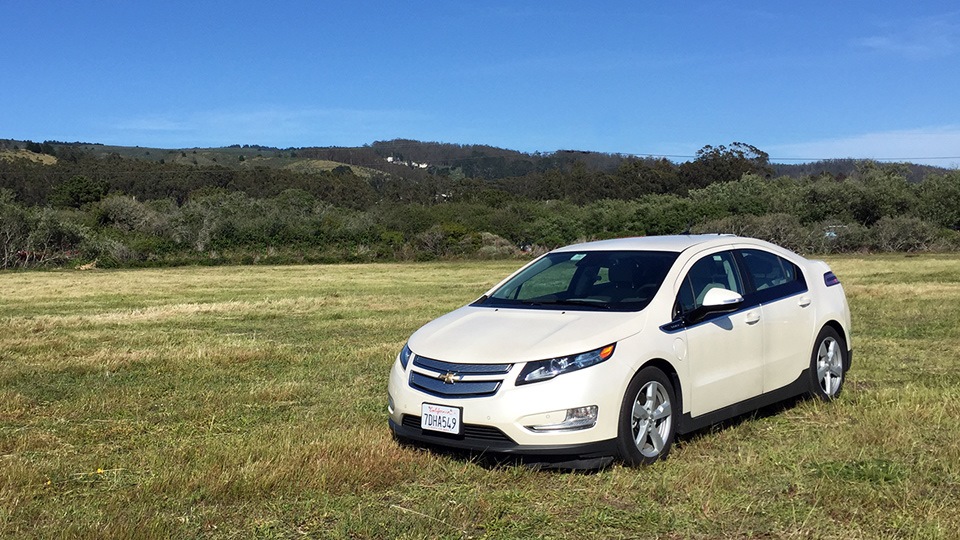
x,y
804,301
752,317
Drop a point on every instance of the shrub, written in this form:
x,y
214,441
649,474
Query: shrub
x,y
130,215
15,225
781,229
834,237
559,224
495,247
108,252
939,200
55,238
78,191
751,194
665,214
903,233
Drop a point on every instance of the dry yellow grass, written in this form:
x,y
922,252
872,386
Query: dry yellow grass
x,y
26,154
249,402
323,165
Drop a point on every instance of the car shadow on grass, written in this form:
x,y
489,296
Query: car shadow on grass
x,y
492,460
768,411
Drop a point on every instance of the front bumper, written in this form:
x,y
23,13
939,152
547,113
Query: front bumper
x,y
490,440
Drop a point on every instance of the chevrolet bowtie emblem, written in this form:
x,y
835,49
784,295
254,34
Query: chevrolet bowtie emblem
x,y
450,377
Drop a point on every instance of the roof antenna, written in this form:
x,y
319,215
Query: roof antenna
x,y
686,232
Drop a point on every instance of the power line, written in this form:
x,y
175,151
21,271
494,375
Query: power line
x,y
418,144
903,159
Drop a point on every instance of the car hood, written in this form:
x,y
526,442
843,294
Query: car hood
x,y
479,335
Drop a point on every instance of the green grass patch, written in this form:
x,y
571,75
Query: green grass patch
x,y
237,402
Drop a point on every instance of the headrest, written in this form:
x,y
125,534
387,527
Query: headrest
x,y
622,271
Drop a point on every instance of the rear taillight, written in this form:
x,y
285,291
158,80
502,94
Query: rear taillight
x,y
830,279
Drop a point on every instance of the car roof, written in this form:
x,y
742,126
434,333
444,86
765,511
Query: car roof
x,y
674,243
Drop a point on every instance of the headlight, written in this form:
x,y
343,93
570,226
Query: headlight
x,y
404,356
548,369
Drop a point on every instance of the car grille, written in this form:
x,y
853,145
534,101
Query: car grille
x,y
470,431
456,381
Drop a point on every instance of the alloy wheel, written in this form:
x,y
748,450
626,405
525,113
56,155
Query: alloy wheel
x,y
652,419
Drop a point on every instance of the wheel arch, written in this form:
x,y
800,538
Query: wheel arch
x,y
671,372
836,326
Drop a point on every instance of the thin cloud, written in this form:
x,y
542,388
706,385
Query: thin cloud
x,y
919,40
938,146
272,126
153,123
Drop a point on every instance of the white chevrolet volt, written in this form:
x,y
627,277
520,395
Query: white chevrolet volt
x,y
609,349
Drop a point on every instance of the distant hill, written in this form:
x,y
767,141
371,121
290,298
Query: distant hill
x,y
399,157
237,156
841,168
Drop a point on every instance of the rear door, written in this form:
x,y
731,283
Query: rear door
x,y
779,287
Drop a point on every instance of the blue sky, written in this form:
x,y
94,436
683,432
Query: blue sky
x,y
798,80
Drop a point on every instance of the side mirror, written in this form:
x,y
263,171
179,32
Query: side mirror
x,y
717,300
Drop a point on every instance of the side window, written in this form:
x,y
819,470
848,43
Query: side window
x,y
712,271
768,271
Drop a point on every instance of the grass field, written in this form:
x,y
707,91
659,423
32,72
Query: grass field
x,y
246,402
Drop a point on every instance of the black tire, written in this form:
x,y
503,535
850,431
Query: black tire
x,y
648,418
828,365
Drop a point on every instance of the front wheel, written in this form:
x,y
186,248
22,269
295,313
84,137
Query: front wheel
x,y
647,418
827,365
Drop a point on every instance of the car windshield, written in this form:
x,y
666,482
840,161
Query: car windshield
x,y
587,280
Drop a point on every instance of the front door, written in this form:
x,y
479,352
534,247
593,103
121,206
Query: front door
x,y
725,350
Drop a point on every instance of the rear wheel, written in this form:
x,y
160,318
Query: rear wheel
x,y
828,365
647,418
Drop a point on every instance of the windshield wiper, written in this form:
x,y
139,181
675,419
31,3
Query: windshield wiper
x,y
568,302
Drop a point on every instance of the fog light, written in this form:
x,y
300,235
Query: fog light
x,y
579,418
390,404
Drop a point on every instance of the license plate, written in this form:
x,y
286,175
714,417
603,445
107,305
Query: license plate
x,y
441,418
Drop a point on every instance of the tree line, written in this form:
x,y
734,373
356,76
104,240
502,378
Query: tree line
x,y
120,211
